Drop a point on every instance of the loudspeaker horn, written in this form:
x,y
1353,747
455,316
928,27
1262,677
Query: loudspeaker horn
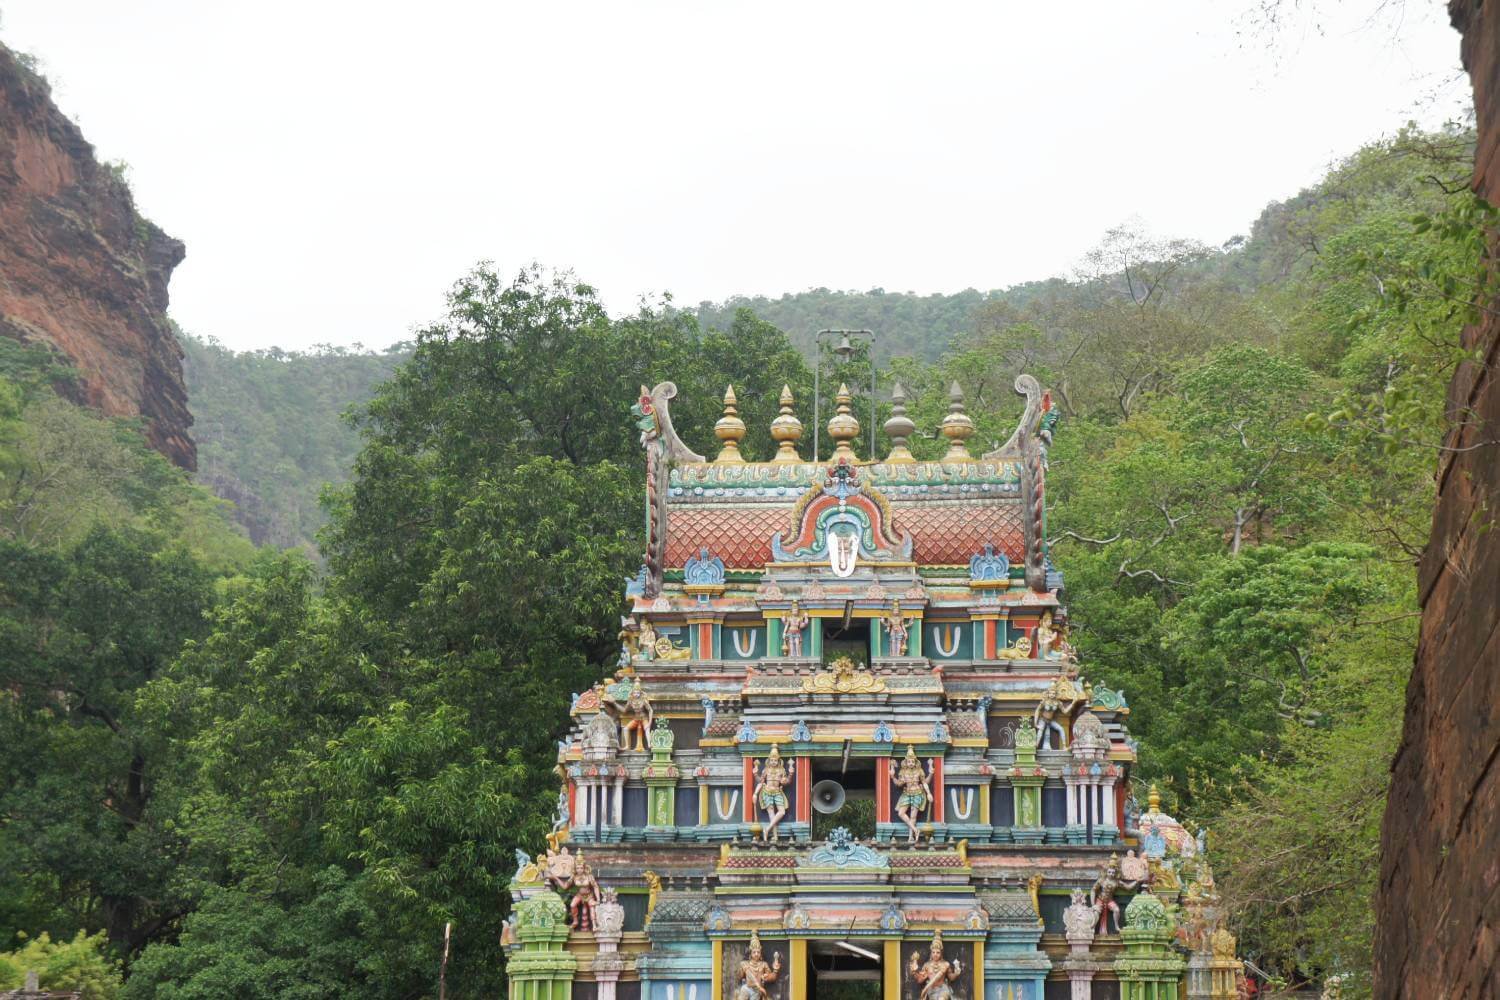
x,y
827,796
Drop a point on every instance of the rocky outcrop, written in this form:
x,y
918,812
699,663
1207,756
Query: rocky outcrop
x,y
1438,920
81,271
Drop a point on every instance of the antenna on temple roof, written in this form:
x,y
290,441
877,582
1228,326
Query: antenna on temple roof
x,y
844,351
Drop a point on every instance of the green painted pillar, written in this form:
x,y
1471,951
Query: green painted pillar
x,y
661,786
1149,969
773,637
914,640
1026,779
539,965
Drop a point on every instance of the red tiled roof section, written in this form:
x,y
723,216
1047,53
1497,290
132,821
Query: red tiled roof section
x,y
741,536
944,534
948,534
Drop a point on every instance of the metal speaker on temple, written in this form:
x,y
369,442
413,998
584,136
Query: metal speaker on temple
x,y
827,796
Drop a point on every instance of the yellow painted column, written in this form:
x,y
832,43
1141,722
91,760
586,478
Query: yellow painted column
x,y
702,805
799,968
978,970
718,969
984,803
891,966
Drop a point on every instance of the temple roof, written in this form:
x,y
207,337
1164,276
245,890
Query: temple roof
x,y
944,532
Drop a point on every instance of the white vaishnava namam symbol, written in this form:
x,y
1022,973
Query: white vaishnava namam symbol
x,y
947,639
843,551
739,636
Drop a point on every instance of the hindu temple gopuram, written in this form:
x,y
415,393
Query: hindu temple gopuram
x,y
849,750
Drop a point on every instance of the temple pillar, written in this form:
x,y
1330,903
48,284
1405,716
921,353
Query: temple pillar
x,y
1026,779
609,926
539,966
661,787
1149,969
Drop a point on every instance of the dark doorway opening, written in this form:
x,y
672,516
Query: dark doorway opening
x,y
836,973
851,639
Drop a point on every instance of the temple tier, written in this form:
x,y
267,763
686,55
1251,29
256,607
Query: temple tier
x,y
849,750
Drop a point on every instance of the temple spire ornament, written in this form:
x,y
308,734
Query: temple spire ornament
x,y
843,427
899,428
957,427
786,429
731,430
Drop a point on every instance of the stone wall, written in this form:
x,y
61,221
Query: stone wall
x,y
1438,932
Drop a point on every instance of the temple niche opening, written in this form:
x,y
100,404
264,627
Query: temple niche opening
x,y
850,751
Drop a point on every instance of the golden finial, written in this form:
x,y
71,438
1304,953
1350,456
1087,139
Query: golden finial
x,y
899,427
957,427
730,429
786,429
843,427
1153,799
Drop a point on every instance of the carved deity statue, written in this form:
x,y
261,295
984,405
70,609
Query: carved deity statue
x,y
655,646
636,716
771,780
1046,637
898,629
1064,696
1133,870
560,867
754,973
653,891
1020,651
1102,895
792,627
916,791
936,973
1081,917
585,896
560,820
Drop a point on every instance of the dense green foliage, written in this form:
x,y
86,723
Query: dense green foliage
x,y
262,777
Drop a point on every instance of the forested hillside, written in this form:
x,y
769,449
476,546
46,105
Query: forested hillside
x,y
253,775
270,429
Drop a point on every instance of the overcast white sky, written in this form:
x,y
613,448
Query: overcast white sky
x,y
333,167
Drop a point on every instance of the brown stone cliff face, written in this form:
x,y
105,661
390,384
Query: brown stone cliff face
x,y
1438,931
81,271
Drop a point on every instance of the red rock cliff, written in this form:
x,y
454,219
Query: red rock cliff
x,y
80,270
1438,929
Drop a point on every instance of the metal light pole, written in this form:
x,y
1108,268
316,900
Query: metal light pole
x,y
845,351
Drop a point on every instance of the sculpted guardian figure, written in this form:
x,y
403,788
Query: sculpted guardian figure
x,y
585,896
1102,895
936,973
771,780
898,628
916,791
792,627
754,973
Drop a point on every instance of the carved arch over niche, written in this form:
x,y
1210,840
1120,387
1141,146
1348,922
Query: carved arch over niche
x,y
843,506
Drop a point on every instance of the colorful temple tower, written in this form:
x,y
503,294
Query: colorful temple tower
x,y
849,751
